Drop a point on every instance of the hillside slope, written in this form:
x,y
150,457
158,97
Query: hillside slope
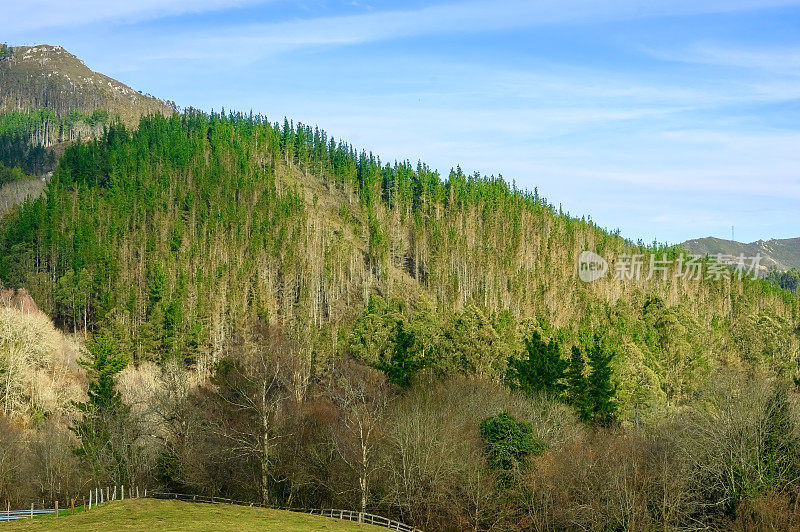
x,y
150,514
192,230
49,77
779,254
48,99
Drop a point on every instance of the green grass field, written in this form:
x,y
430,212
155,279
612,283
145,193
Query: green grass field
x,y
151,515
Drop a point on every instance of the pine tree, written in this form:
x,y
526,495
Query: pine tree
x,y
104,413
543,369
509,441
600,392
576,384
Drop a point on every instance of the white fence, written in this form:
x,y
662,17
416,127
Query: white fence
x,y
11,515
95,496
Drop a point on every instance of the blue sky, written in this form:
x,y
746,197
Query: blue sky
x,y
667,119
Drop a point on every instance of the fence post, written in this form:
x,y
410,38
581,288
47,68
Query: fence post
x,y
55,511
122,493
72,506
31,510
145,493
114,497
137,492
108,493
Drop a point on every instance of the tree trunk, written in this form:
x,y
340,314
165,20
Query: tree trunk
x,y
362,481
264,445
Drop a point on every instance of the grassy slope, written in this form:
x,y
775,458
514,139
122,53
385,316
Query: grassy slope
x,y
151,515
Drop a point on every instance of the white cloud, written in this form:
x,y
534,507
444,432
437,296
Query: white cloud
x,y
25,15
247,42
776,60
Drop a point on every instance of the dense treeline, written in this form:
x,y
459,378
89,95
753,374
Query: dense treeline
x,y
788,280
451,453
27,138
305,324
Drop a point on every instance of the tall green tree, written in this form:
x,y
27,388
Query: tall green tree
x,y
542,371
416,343
104,413
600,392
575,392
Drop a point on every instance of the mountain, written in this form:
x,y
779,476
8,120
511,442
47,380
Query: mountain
x,y
43,76
184,234
274,315
778,254
49,98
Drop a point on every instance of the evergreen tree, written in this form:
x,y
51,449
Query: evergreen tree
x,y
404,362
509,442
576,384
472,344
543,369
104,416
600,392
375,333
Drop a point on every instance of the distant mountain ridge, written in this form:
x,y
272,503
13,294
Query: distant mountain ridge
x,y
44,76
778,254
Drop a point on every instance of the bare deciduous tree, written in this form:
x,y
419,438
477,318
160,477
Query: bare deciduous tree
x,y
361,395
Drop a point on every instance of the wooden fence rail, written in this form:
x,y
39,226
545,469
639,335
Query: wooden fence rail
x,y
347,515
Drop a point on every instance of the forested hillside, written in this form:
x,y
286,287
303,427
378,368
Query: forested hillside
x,y
43,76
49,97
183,235
259,281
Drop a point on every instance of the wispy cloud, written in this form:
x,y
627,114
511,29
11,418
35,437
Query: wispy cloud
x,y
248,42
778,60
22,16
